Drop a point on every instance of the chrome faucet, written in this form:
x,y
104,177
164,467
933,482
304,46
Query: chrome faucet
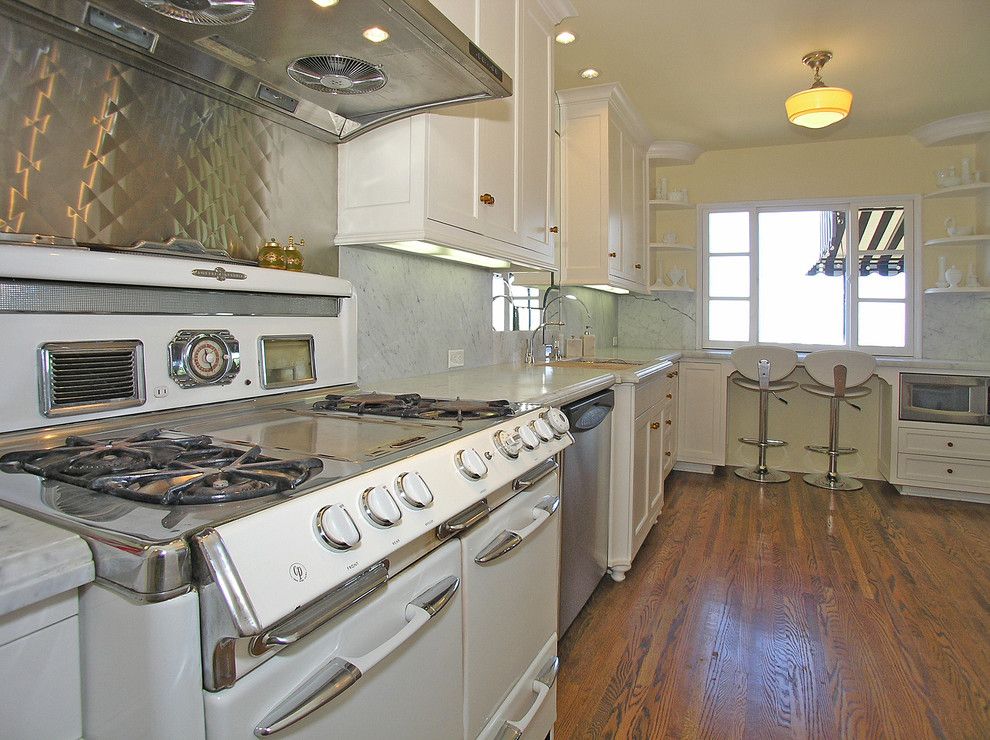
x,y
548,349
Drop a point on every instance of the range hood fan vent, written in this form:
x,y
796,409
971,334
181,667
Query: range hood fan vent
x,y
203,12
337,75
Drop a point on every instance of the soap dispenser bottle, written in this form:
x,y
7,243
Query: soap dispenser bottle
x,y
587,343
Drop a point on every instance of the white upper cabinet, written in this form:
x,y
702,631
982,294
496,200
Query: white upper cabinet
x,y
603,174
476,177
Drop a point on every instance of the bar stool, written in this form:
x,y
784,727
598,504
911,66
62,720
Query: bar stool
x,y
762,367
839,375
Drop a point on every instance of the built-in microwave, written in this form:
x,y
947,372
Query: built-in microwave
x,y
950,399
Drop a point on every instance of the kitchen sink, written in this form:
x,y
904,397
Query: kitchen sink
x,y
604,363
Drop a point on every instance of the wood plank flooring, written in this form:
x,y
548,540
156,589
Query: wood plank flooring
x,y
788,611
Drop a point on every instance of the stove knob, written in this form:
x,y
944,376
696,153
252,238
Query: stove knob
x,y
543,429
414,491
380,507
337,527
508,443
557,420
529,438
470,465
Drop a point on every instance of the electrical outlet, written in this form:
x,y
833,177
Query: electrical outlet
x,y
455,358
615,341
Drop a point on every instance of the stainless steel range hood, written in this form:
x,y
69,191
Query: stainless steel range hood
x,y
292,61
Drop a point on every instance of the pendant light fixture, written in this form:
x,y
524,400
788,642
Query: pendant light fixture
x,y
819,106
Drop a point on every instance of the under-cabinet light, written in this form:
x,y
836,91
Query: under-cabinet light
x,y
608,289
448,253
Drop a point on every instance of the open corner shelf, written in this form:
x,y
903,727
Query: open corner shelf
x,y
671,205
981,291
959,241
673,247
660,288
956,191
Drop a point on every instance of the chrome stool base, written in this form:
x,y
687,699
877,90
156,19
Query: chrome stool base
x,y
832,483
769,475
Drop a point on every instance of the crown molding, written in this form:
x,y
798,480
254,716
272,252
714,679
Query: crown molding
x,y
557,10
613,95
664,153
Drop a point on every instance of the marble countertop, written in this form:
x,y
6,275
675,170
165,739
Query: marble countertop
x,y
38,560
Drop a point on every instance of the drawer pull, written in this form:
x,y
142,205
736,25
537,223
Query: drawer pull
x,y
669,396
638,266
554,230
655,425
613,254
667,453
949,444
671,375
949,471
669,422
488,199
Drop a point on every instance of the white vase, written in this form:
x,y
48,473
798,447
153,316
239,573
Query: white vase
x,y
942,267
953,276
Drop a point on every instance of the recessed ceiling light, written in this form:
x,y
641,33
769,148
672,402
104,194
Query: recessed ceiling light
x,y
590,73
375,34
566,37
325,3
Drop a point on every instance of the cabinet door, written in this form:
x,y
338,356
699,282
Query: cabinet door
x,y
636,243
629,255
667,414
536,132
498,155
657,458
641,480
614,186
701,407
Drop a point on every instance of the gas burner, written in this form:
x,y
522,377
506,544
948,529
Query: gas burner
x,y
414,406
163,470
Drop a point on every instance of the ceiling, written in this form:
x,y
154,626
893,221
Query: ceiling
x,y
716,72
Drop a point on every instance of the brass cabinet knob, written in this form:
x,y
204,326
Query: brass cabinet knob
x,y
488,199
655,425
638,266
667,453
669,396
949,471
676,373
554,230
949,444
669,422
671,375
613,254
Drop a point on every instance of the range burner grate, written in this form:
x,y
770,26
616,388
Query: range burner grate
x,y
414,406
164,470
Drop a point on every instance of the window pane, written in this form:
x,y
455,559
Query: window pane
x,y
728,232
882,324
797,307
728,277
882,286
498,303
728,321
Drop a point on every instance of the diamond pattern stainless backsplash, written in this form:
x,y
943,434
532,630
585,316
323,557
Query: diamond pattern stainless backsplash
x,y
103,152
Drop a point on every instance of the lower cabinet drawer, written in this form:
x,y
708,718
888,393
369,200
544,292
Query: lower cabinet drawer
x,y
657,389
944,444
945,472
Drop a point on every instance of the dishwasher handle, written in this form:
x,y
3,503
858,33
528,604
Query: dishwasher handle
x,y
339,674
589,413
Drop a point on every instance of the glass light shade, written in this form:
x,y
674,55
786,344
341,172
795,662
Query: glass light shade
x,y
818,107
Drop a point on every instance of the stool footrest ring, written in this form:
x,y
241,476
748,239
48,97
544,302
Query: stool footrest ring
x,y
824,449
758,443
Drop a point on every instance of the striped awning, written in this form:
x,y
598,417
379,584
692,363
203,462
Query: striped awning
x,y
880,248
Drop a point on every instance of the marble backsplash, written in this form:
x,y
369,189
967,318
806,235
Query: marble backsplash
x,y
953,327
412,309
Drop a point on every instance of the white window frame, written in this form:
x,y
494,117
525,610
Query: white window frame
x,y
522,303
912,268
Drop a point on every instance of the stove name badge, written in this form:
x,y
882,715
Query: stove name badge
x,y
298,572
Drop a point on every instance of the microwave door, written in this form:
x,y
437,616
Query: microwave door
x,y
950,399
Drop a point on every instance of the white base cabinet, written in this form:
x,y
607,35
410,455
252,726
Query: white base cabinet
x,y
39,671
475,177
643,449
701,398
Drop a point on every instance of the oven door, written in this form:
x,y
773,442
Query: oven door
x,y
511,581
949,399
388,667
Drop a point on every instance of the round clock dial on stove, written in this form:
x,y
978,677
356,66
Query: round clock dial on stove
x,y
200,358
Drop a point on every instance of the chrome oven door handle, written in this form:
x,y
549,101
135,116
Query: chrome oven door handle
x,y
535,475
515,729
309,618
340,673
510,539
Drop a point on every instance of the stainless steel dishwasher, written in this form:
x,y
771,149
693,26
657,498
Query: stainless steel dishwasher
x,y
584,503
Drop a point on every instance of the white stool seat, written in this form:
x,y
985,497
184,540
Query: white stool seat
x,y
747,360
754,385
828,391
821,366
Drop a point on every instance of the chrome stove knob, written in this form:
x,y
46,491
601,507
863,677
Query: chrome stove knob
x,y
557,420
542,429
508,443
380,507
470,464
337,527
413,490
529,438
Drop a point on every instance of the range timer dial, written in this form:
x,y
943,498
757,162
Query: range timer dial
x,y
204,357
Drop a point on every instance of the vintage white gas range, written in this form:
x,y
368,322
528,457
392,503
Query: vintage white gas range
x,y
276,551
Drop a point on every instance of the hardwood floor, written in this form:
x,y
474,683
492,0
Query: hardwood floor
x,y
788,612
